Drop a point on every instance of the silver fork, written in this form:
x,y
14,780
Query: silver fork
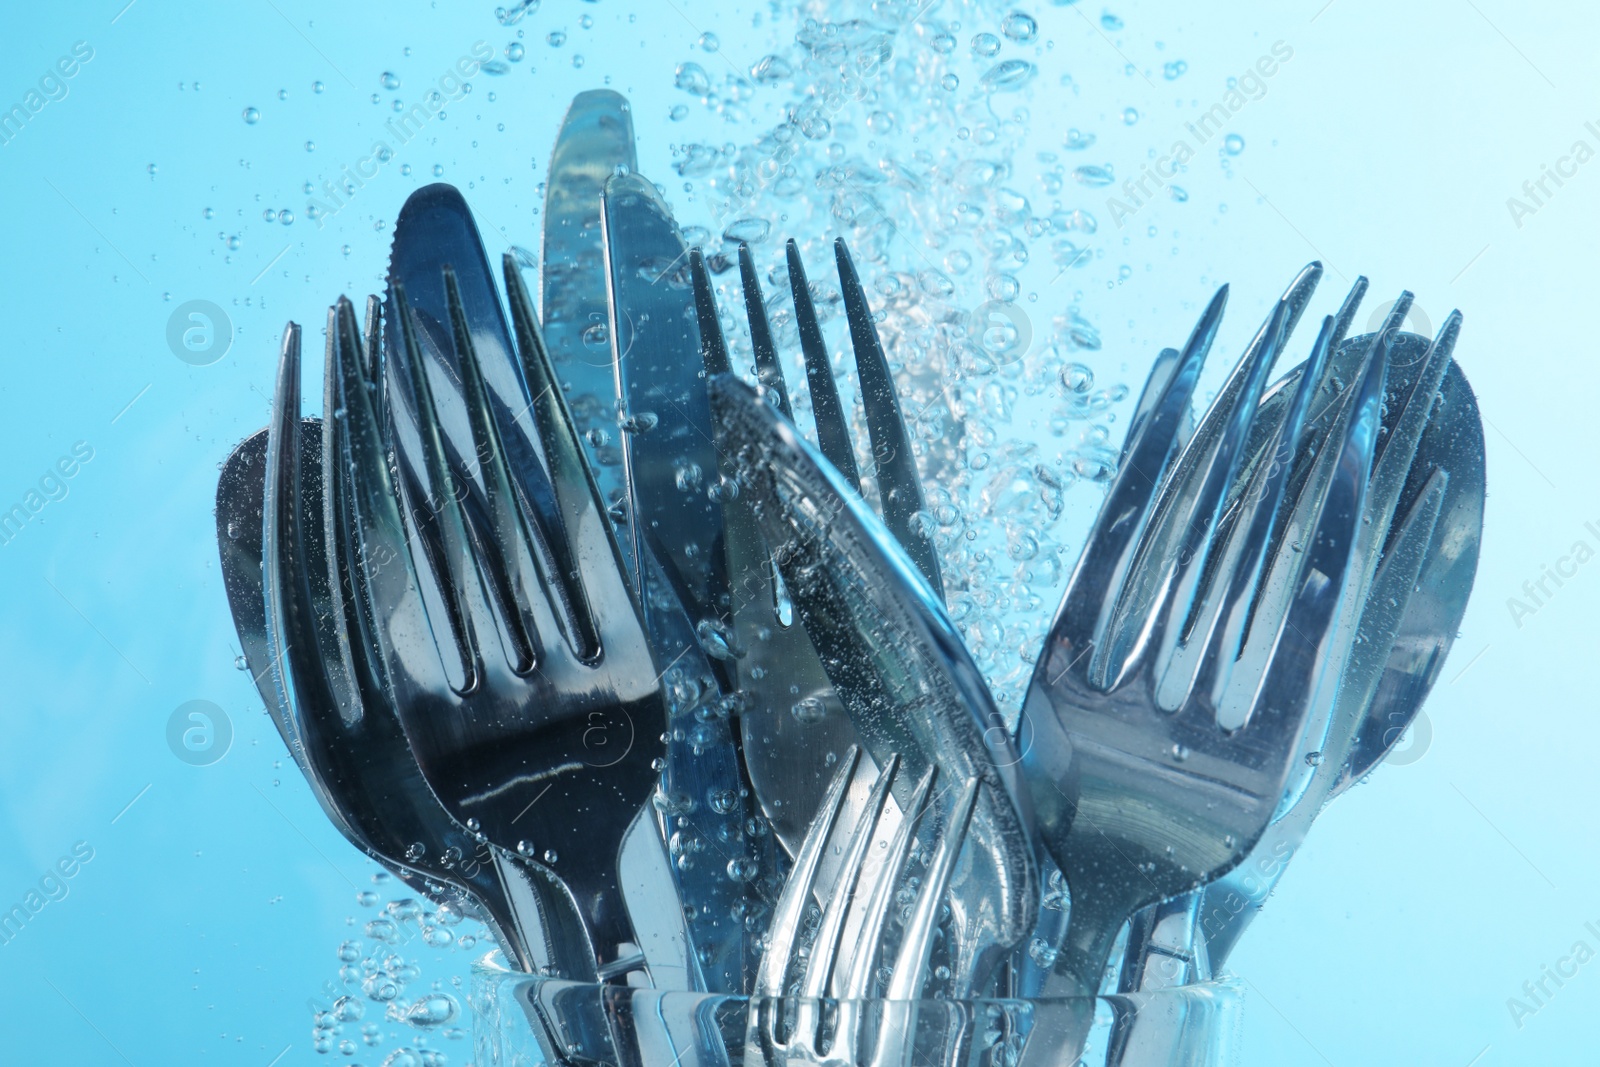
x,y
511,677
789,1022
1141,795
272,501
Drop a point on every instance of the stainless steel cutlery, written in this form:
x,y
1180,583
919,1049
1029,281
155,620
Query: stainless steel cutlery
x,y
565,620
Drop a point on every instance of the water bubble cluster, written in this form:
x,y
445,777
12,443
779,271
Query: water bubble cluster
x,y
379,995
911,130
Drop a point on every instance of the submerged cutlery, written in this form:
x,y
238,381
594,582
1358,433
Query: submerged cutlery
x,y
911,689
799,1030
595,142
1411,607
527,691
1141,792
343,736
792,719
671,522
516,603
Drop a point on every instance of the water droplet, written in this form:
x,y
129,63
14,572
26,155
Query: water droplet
x,y
1020,27
556,39
252,115
770,69
515,51
1180,752
1110,22
743,868
1077,140
1313,759
1129,116
1093,176
1076,377
643,422
692,78
708,42
1008,76
985,44
1233,144
679,112
390,80
550,856
949,82
809,711
749,230
367,898
316,87
1174,70
432,1010
716,638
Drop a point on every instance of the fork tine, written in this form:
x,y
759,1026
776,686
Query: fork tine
x,y
1155,383
899,484
286,599
824,959
1310,474
1398,448
376,553
863,965
825,949
1298,668
533,576
352,660
1381,619
1300,291
1347,312
862,972
443,495
1215,638
768,370
832,435
713,347
596,559
1239,402
911,961
509,552
789,912
1309,480
1161,592
1086,609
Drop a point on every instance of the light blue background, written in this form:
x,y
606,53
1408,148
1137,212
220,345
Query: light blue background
x,y
1388,145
